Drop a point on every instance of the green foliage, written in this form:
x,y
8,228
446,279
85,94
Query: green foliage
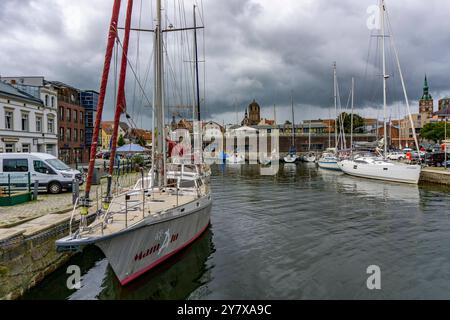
x,y
121,141
435,131
138,159
358,121
140,141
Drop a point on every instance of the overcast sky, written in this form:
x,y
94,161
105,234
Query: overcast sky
x,y
255,49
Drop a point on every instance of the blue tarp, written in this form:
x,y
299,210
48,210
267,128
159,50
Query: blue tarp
x,y
131,148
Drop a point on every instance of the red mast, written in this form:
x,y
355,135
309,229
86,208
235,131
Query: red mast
x,y
120,107
109,50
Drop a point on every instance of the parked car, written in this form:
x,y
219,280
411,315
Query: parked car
x,y
53,175
435,159
448,164
396,156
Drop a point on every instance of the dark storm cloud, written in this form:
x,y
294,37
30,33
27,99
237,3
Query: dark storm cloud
x,y
255,49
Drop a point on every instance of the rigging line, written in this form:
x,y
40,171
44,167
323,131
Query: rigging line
x,y
402,81
134,73
137,57
171,73
116,53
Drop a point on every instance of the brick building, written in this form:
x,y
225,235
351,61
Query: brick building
x,y
71,125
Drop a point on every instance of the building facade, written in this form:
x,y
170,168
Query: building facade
x,y
252,115
28,116
444,103
107,132
89,101
71,125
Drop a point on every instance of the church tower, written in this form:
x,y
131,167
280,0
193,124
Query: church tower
x,y
426,106
246,121
254,113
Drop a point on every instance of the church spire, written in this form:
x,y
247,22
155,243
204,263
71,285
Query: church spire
x,y
426,90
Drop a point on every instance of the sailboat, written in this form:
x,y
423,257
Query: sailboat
x,y
310,156
377,166
329,159
292,156
142,227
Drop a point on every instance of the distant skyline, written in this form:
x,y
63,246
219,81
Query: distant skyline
x,y
255,49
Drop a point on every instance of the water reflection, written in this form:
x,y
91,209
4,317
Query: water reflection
x,y
176,278
366,188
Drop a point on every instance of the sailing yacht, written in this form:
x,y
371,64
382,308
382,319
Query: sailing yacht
x,y
142,227
292,156
310,157
329,159
373,167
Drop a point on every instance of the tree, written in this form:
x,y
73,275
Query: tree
x,y
358,122
140,141
121,141
435,131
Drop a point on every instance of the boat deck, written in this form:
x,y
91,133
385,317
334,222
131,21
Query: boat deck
x,y
124,214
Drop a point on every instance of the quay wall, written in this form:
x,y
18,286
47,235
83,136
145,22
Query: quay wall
x,y
28,253
435,176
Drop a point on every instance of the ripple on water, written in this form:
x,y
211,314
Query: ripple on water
x,y
303,234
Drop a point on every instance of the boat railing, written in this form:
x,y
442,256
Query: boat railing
x,y
73,215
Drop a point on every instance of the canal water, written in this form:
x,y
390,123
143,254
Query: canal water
x,y
302,234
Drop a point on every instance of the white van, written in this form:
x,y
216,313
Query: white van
x,y
53,175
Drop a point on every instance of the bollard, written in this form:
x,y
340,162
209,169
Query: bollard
x,y
75,191
35,190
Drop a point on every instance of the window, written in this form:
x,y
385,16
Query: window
x,y
51,149
69,115
9,148
81,117
25,124
81,136
53,102
15,165
61,113
46,100
61,134
41,167
38,124
75,114
50,125
26,148
68,134
9,120
75,135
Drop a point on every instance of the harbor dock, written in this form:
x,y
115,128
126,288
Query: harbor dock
x,y
28,233
27,239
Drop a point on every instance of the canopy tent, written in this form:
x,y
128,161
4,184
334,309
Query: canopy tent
x,y
131,148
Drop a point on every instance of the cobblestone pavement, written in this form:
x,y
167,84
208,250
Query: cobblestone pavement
x,y
46,204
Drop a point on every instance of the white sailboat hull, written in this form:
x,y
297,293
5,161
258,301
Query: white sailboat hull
x,y
290,159
329,165
309,159
236,159
388,172
139,248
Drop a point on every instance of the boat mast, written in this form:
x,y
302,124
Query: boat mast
x,y
293,121
385,76
404,89
309,136
159,114
351,125
120,103
335,106
101,100
196,67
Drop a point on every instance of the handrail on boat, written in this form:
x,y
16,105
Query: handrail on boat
x,y
72,215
